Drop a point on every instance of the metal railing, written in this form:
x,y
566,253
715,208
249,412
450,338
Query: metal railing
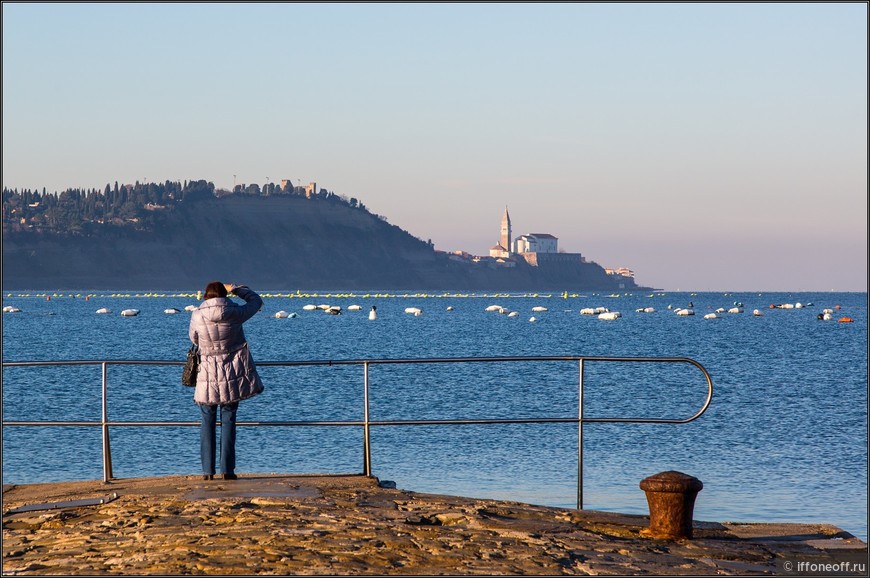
x,y
367,422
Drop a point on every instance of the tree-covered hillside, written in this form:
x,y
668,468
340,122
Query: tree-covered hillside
x,y
182,235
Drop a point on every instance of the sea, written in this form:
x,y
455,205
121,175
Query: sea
x,y
784,438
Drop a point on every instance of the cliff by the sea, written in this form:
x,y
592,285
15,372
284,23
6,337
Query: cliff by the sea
x,y
271,242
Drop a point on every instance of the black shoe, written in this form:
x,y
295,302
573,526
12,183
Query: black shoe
x,y
208,476
231,477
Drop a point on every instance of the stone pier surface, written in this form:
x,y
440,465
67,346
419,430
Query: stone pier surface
x,y
329,525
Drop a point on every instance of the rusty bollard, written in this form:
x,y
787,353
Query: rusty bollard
x,y
671,499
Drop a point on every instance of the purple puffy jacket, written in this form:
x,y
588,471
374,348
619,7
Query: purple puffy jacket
x,y
226,368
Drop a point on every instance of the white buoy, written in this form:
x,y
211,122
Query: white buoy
x,y
736,310
610,315
129,312
354,308
190,308
11,309
532,319
414,310
711,316
281,315
513,314
494,308
539,308
171,311
373,314
102,310
757,313
685,312
450,308
310,307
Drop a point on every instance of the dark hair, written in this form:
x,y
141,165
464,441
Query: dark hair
x,y
215,289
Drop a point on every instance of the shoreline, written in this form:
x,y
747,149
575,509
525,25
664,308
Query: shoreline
x,y
353,524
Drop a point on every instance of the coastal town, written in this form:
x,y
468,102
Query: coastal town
x,y
535,249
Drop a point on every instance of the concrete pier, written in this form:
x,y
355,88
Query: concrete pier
x,y
327,525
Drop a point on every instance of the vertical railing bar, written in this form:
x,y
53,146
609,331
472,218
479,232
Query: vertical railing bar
x,y
107,450
580,435
367,447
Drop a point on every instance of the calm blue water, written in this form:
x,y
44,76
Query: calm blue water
x,y
785,438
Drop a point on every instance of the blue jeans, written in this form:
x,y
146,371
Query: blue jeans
x,y
228,437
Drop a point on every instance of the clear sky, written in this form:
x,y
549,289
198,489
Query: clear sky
x,y
705,146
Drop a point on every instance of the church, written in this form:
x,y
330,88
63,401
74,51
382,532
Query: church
x,y
532,247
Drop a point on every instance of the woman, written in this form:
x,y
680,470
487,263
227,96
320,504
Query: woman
x,y
227,373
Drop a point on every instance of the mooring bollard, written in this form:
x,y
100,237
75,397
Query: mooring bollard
x,y
671,499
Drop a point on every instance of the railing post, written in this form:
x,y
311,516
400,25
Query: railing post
x,y
367,448
107,451
580,436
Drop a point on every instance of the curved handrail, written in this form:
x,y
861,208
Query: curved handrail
x,y
366,423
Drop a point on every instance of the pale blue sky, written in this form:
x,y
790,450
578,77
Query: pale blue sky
x,y
705,146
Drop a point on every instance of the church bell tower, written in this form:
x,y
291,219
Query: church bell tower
x,y
505,239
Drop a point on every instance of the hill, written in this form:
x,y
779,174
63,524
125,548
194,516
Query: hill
x,y
269,242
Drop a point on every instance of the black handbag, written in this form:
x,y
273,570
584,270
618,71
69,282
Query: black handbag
x,y
191,367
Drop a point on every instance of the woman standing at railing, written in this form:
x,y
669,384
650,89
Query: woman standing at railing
x,y
227,373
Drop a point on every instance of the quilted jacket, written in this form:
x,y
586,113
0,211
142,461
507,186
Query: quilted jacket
x,y
226,369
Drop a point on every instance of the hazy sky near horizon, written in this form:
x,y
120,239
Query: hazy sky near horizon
x,y
705,146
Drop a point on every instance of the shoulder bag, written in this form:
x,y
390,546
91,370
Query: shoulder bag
x,y
191,367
